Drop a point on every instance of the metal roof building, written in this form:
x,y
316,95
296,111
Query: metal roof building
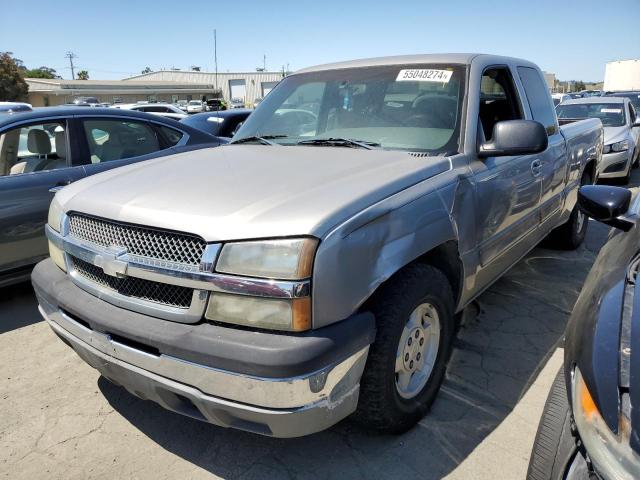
x,y
247,85
45,92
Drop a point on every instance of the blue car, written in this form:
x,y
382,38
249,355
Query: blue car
x,y
45,149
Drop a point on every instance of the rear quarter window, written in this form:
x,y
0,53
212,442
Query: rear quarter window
x,y
538,97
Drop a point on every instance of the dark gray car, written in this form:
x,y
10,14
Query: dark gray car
x,y
43,150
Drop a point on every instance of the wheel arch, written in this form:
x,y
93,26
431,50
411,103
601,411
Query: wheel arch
x,y
445,257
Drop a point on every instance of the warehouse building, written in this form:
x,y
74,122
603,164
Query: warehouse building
x,y
163,86
622,75
51,92
247,86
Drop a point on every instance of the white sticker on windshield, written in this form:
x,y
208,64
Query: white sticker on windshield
x,y
610,110
424,75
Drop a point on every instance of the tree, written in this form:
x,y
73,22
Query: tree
x,y
12,84
579,86
83,75
146,70
42,72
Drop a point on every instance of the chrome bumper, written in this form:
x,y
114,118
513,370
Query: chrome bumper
x,y
286,407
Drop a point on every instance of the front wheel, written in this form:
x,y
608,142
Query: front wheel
x,y
407,362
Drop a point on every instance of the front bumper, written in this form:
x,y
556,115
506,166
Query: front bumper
x,y
615,165
284,406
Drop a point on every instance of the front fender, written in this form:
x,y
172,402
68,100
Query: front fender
x,y
359,255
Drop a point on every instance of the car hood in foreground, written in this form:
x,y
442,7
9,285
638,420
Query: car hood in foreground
x,y
250,191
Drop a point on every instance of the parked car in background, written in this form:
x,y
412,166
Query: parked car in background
x,y
182,105
621,132
237,103
560,97
633,96
7,108
590,427
575,95
91,101
304,272
195,106
220,124
215,105
43,150
162,109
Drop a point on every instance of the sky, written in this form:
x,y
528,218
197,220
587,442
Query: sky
x,y
116,39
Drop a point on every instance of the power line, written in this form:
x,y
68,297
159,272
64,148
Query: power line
x,y
71,56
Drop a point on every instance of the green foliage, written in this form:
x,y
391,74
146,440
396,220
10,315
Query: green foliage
x,y
83,75
579,85
146,70
12,84
42,72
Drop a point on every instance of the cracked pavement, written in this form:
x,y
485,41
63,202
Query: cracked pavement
x,y
59,419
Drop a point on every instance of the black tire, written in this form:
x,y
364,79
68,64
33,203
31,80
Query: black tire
x,y
380,406
569,236
555,446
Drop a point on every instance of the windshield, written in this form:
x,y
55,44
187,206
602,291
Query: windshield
x,y
195,102
611,114
396,107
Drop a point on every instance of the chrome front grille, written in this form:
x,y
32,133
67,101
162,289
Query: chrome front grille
x,y
141,241
162,293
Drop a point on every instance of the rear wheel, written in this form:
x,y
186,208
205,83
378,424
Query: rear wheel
x,y
571,234
407,362
555,447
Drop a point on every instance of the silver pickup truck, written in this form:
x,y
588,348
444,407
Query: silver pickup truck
x,y
317,265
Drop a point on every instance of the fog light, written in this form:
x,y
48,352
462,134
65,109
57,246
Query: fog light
x,y
259,312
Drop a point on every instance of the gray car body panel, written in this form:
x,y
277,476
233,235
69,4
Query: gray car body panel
x,y
374,211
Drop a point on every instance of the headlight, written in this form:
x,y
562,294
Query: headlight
x,y
611,454
55,220
283,259
287,259
55,214
616,147
259,312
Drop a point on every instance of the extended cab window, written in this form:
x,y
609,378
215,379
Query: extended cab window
x,y
538,97
498,99
33,148
115,139
396,107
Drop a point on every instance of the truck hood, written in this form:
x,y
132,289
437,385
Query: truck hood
x,y
615,134
250,191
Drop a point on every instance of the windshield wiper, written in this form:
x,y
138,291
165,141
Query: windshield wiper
x,y
263,139
340,142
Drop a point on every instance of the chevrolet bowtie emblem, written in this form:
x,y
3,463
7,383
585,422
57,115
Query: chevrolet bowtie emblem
x,y
110,262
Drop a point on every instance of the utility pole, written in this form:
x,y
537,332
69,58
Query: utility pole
x,y
71,56
264,62
215,56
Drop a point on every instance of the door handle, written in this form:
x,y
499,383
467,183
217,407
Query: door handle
x,y
59,186
536,167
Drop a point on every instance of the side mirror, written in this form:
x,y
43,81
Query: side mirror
x,y
515,137
608,205
636,123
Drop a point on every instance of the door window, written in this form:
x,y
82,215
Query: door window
x,y
498,99
33,148
538,97
171,136
115,139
